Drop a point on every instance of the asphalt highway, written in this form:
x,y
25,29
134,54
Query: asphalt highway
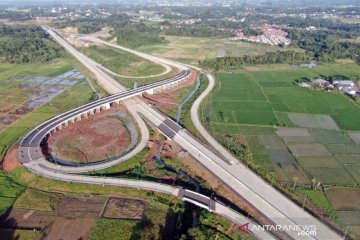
x,y
270,202
34,138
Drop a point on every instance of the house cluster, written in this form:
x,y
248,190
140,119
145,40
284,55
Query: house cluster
x,y
186,21
348,87
270,35
61,13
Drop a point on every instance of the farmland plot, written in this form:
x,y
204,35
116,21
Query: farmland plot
x,y
276,116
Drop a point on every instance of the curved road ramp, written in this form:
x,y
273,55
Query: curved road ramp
x,y
283,214
30,155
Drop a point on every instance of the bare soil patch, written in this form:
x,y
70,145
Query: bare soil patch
x,y
10,162
26,219
355,229
124,208
103,33
344,199
161,100
68,30
349,217
166,99
69,229
72,207
96,138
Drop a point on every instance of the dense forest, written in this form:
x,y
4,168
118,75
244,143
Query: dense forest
x,y
87,28
198,30
138,35
13,15
26,44
324,45
90,25
227,63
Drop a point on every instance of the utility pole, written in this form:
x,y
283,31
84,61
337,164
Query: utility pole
x,y
304,201
346,231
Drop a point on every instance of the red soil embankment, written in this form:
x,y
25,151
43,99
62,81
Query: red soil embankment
x,y
166,99
96,138
10,162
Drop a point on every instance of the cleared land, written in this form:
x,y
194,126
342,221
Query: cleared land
x,y
346,202
80,207
26,219
191,50
99,137
67,228
124,208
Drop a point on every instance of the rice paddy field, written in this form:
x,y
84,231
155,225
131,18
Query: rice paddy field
x,y
304,136
122,62
300,134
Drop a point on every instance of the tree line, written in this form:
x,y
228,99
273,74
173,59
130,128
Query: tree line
x,y
325,46
227,63
91,25
134,36
26,44
197,30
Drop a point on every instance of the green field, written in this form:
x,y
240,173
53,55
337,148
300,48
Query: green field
x,y
258,97
306,137
319,198
122,62
9,191
152,226
38,200
110,229
192,49
77,95
252,103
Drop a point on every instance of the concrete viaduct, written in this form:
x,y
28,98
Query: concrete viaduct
x,y
34,138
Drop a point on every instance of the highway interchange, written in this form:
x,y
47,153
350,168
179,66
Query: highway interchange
x,y
263,197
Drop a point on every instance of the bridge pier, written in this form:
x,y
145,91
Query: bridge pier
x,y
71,121
107,106
97,110
77,118
115,103
150,91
